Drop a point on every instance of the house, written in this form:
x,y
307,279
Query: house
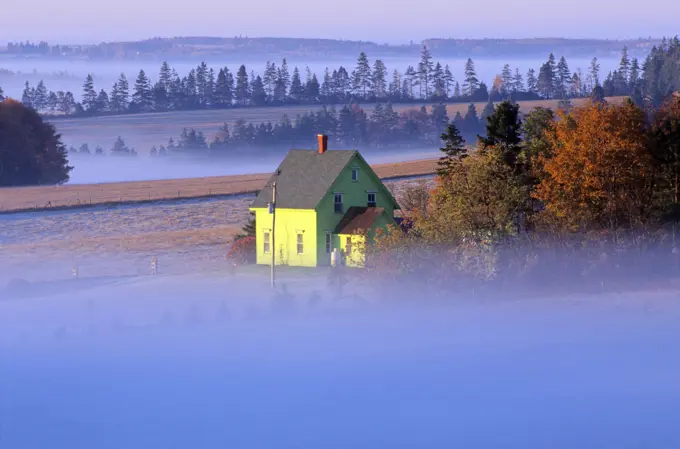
x,y
324,200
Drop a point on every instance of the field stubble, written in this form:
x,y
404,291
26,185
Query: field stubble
x,y
190,236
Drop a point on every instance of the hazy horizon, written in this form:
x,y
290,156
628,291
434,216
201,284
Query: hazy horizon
x,y
346,24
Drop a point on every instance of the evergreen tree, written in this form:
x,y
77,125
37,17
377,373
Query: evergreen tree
x,y
269,79
438,81
28,95
284,79
563,78
506,78
2,94
517,82
313,89
326,86
220,95
379,81
454,150
202,84
532,82
242,87
594,73
503,131
546,82
456,90
448,80
142,97
361,77
395,86
425,68
40,96
89,94
471,83
634,75
102,103
409,80
624,66
553,71
297,92
210,87
259,94
165,76
118,100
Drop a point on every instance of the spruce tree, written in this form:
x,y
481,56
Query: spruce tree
x,y
454,150
517,82
456,90
594,73
438,81
503,132
210,87
546,82
471,83
425,68
89,94
40,96
297,92
259,94
506,78
284,79
361,77
2,94
102,102
165,75
563,78
242,86
395,86
634,75
624,65
28,95
448,80
379,81
532,82
142,97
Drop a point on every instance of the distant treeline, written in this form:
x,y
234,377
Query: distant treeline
x,y
348,127
191,47
206,88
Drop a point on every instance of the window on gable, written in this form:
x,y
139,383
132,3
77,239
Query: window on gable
x,y
300,247
371,200
338,203
355,174
328,243
266,242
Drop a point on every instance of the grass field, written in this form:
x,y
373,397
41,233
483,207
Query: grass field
x,y
79,195
186,236
142,131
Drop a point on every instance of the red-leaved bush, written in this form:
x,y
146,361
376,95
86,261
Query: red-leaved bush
x,y
242,251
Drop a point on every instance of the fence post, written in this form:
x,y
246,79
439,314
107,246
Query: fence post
x,y
74,271
154,265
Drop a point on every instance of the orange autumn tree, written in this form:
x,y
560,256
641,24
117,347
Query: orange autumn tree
x,y
600,173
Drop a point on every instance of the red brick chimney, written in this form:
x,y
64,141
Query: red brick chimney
x,y
323,143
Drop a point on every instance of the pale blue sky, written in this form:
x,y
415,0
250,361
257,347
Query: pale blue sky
x,y
87,21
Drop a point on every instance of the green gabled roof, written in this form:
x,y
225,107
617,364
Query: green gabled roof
x,y
303,178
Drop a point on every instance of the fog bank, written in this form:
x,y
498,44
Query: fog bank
x,y
90,169
208,361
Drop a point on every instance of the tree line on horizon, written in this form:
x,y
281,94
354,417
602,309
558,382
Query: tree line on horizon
x,y
207,88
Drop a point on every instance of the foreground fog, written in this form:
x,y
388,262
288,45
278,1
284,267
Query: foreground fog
x,y
207,361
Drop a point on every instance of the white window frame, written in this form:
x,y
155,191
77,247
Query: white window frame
x,y
328,242
368,199
355,171
266,241
300,244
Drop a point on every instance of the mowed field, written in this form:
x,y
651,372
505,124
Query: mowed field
x,y
79,195
186,236
142,131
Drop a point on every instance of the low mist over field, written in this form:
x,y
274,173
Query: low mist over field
x,y
210,361
94,169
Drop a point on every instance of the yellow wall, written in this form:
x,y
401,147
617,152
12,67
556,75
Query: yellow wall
x,y
356,257
289,223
